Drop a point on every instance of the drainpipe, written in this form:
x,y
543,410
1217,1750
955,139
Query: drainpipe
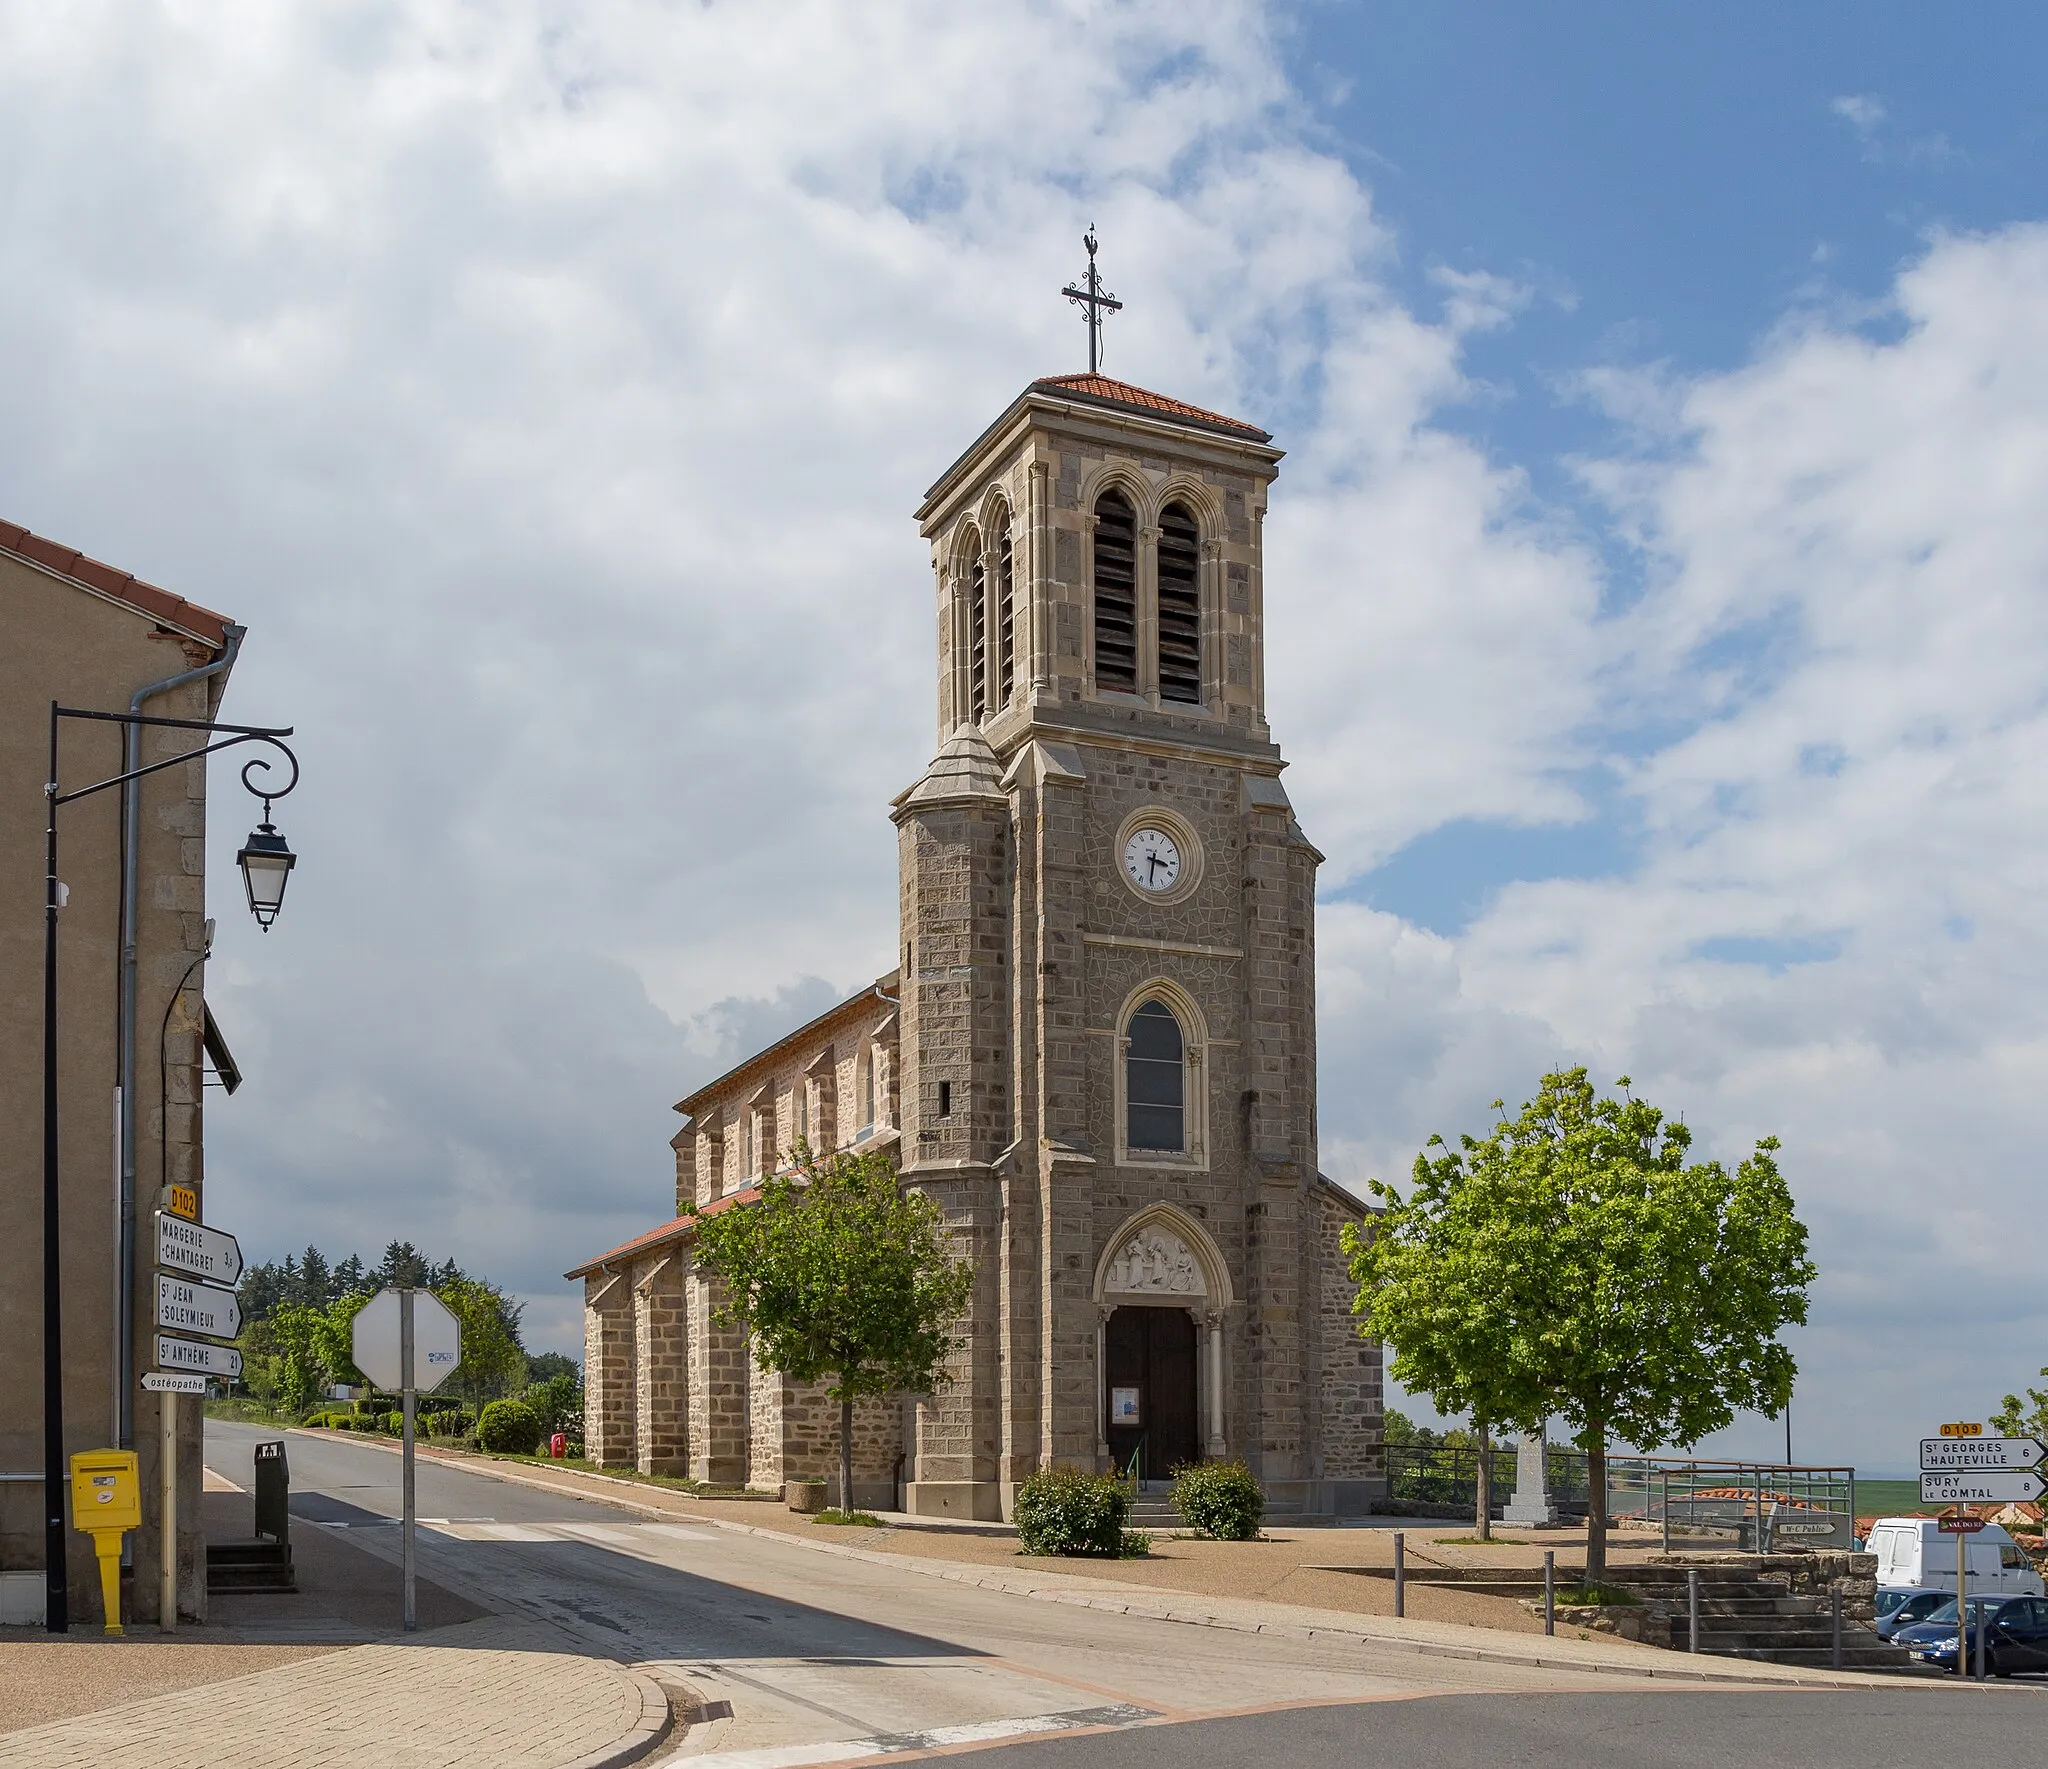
x,y
131,862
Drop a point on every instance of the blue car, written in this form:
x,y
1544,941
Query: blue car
x,y
2014,1632
1901,1608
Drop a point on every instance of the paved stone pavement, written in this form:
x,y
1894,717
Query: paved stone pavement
x,y
502,1692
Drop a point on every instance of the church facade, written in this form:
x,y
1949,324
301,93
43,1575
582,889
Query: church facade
x,y
1098,1051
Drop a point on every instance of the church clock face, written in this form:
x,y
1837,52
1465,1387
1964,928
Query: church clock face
x,y
1152,860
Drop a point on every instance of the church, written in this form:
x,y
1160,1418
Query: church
x,y
1097,1053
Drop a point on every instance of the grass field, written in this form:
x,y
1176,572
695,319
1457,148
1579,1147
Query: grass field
x,y
1887,1498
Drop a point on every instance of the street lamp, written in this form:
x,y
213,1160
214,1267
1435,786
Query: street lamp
x,y
265,862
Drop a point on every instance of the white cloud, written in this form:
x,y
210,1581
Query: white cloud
x,y
549,388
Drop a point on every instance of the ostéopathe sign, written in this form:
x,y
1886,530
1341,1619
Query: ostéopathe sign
x,y
209,1253
436,1342
1979,1452
196,1308
1999,1486
173,1382
194,1354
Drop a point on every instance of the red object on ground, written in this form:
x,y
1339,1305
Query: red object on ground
x,y
558,1446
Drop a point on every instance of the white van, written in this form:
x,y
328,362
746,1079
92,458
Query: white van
x,y
1912,1552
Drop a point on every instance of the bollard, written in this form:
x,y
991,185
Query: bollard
x,y
1400,1574
1983,1622
1667,1513
1692,1609
1550,1590
1838,1624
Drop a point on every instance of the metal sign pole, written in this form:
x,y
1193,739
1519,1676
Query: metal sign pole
x,y
1962,1625
405,1337
167,1513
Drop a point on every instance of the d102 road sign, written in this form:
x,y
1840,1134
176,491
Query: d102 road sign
x,y
192,1354
2000,1485
173,1382
209,1253
436,1342
1979,1452
196,1308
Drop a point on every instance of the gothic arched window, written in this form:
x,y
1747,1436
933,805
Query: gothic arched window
x,y
1116,593
977,638
1006,623
1155,1081
1180,606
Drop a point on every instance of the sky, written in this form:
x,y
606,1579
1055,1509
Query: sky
x,y
1655,578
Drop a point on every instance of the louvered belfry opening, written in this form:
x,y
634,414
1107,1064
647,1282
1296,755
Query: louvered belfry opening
x,y
1116,593
1006,623
977,639
1180,607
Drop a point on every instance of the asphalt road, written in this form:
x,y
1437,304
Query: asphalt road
x,y
828,1660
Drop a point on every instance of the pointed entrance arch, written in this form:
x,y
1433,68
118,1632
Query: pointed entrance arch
x,y
1159,1377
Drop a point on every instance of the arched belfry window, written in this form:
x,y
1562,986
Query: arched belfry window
x,y
977,638
1006,623
1155,1081
1180,606
1116,593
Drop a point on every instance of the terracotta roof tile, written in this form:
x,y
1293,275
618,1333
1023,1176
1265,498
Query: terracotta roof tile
x,y
1123,393
674,1230
123,586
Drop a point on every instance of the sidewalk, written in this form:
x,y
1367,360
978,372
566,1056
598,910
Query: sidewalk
x,y
496,1691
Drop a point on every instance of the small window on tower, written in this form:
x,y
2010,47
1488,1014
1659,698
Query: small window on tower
x,y
1155,1081
1116,593
1180,607
945,1099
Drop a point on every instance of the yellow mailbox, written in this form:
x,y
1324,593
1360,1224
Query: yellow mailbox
x,y
106,1502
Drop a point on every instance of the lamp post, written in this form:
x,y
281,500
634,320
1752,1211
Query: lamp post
x,y
266,863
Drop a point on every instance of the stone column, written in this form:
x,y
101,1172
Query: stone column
x,y
1101,1386
1531,1504
717,1394
1214,1448
661,1369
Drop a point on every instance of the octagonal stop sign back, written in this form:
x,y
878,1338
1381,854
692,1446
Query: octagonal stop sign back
x,y
436,1342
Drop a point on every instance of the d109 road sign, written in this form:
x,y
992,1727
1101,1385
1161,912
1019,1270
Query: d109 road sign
x,y
209,1253
2001,1485
436,1342
1979,1452
196,1308
191,1354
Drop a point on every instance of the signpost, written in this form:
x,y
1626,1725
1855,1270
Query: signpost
x,y
1964,1467
208,1253
409,1342
166,1382
192,1354
2001,1487
183,1201
196,1308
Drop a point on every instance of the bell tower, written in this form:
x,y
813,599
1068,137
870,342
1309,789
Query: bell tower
x,y
1108,972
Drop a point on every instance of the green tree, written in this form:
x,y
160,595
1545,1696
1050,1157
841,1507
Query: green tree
x,y
334,1339
1574,1265
295,1332
2024,1418
840,1273
492,1357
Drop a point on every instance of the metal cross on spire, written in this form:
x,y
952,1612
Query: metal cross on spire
x,y
1096,301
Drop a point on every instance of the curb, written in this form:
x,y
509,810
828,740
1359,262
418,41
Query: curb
x,y
1274,1628
656,1720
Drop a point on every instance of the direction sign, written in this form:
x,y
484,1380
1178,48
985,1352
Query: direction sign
x,y
193,1354
209,1253
1962,1429
1961,1526
196,1308
172,1382
2000,1485
1979,1452
436,1342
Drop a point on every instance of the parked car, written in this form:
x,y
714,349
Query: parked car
x,y
1898,1609
1913,1554
2014,1632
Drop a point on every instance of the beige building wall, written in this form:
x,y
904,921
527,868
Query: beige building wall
x,y
70,632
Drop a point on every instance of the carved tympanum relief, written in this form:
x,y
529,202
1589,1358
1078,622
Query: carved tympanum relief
x,y
1155,1259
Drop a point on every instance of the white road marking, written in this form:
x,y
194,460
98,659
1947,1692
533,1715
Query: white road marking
x,y
677,1532
794,1756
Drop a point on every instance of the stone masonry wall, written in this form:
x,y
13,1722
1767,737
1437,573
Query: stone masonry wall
x,y
1352,1422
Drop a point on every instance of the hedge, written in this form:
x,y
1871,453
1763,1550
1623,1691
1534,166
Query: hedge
x,y
1220,1500
1064,1511
509,1428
